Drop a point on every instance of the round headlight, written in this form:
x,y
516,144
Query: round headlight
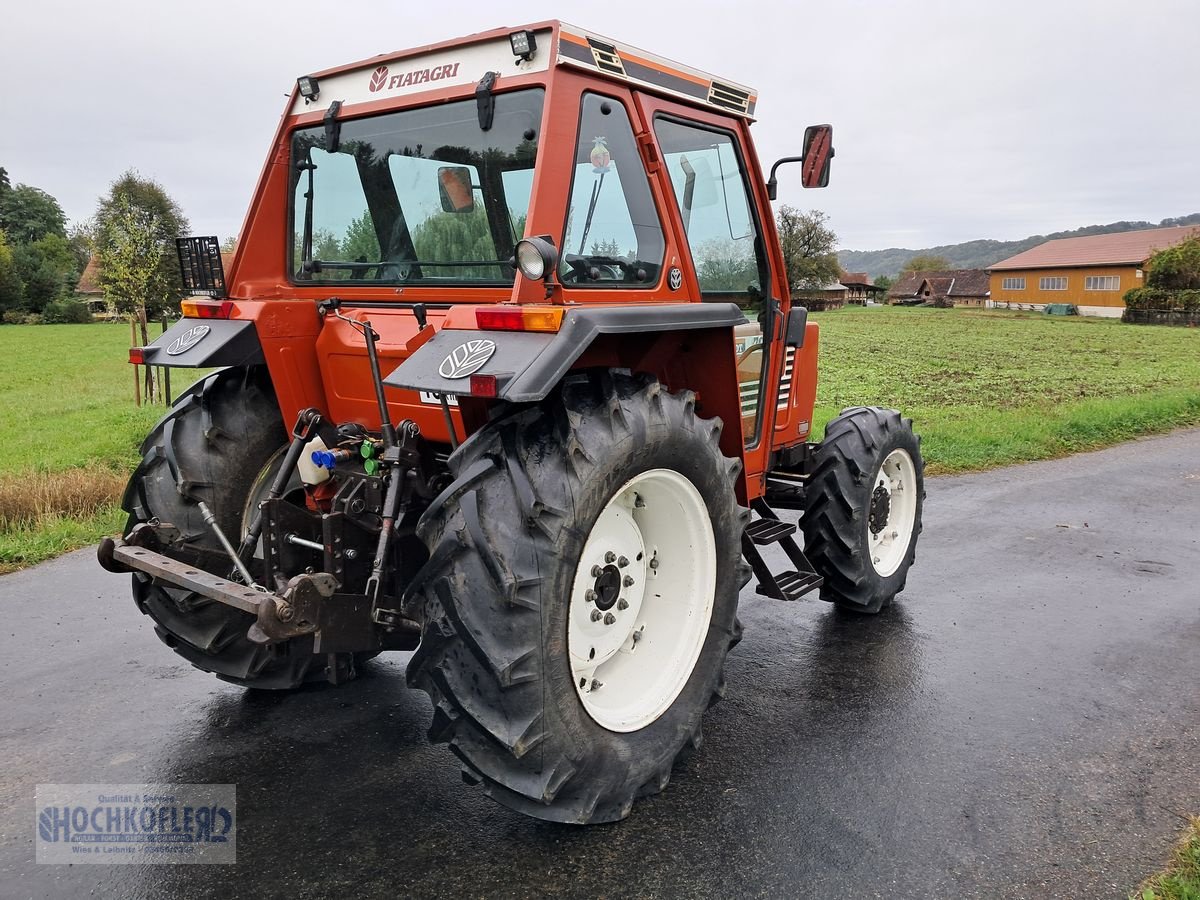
x,y
536,258
529,261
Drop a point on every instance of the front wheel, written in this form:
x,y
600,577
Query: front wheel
x,y
863,507
580,597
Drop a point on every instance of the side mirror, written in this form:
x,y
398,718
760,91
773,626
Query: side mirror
x,y
456,189
818,154
818,151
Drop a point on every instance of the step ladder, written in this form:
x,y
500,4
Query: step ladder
x,y
768,528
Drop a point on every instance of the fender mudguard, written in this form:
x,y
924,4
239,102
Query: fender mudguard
x,y
205,343
527,365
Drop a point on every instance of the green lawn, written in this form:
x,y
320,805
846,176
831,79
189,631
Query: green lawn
x,y
989,388
66,403
983,389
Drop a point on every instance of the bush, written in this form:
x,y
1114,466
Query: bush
x,y
1176,268
64,312
1165,299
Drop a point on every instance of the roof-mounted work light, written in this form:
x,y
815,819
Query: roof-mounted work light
x,y
523,44
308,87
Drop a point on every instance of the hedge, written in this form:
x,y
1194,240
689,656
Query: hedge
x,y
1163,299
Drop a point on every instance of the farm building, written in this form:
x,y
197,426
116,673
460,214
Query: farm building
x,y
89,291
1091,272
952,287
853,287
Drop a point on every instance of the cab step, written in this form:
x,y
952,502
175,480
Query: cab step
x,y
791,585
769,529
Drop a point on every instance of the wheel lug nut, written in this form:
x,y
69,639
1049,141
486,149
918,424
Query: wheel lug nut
x,y
627,581
622,603
654,563
596,684
610,557
609,618
597,571
622,562
596,614
590,596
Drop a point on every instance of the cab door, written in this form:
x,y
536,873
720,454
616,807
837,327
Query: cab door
x,y
722,217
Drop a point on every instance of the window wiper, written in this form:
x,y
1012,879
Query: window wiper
x,y
306,245
587,224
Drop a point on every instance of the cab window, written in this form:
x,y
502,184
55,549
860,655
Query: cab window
x,y
612,237
710,189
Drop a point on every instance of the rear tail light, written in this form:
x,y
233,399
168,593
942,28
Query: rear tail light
x,y
520,318
207,309
137,356
484,386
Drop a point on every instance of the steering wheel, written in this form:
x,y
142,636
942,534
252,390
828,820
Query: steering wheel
x,y
583,267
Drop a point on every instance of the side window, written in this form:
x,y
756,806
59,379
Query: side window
x,y
709,183
613,236
710,188
342,230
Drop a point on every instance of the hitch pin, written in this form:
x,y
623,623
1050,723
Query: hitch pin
x,y
297,541
211,521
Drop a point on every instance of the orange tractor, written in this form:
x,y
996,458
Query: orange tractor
x,y
509,375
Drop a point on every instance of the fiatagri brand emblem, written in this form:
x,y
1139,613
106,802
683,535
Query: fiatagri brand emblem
x,y
466,359
381,80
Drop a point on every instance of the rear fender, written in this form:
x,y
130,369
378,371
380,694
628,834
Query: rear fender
x,y
205,343
686,346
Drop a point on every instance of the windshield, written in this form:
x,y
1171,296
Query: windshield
x,y
418,196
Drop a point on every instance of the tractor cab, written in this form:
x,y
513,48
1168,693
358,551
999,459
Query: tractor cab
x,y
542,167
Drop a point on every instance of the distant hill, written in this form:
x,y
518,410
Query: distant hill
x,y
983,253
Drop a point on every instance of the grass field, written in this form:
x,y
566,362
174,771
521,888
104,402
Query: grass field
x,y
983,389
1180,880
72,434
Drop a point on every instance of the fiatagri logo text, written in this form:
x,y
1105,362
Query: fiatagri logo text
x,y
381,80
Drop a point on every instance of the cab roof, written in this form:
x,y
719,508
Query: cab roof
x,y
465,60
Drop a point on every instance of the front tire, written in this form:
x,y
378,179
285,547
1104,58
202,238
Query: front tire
x,y
864,503
544,502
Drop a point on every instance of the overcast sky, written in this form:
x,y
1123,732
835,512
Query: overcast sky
x,y
952,120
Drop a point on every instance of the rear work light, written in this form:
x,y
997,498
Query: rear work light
x,y
207,309
520,318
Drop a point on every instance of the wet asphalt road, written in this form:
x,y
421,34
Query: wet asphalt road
x,y
1023,723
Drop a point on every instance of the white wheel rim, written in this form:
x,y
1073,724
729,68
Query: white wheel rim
x,y
631,661
892,512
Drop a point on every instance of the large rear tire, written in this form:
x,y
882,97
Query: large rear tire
x,y
213,446
525,626
863,507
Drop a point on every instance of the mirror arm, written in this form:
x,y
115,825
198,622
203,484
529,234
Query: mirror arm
x,y
772,183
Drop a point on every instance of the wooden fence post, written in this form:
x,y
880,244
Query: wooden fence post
x,y
137,378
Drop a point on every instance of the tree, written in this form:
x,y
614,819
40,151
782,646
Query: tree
x,y
1175,268
809,248
136,225
361,244
49,269
884,281
12,290
229,245
725,265
926,262
29,213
